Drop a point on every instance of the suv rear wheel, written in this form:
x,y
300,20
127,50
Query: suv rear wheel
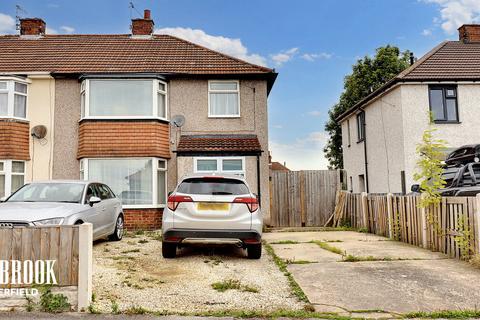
x,y
254,251
169,250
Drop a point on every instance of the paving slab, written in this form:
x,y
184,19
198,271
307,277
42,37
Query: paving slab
x,y
387,249
304,251
393,286
321,235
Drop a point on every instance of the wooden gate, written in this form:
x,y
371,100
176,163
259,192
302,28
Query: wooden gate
x,y
303,198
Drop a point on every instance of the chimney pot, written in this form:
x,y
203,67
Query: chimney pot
x,y
146,14
143,26
469,33
32,27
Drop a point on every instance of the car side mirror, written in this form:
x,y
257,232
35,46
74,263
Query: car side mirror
x,y
93,200
415,188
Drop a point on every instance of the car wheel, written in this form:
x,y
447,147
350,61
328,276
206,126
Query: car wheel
x,y
254,251
117,235
169,250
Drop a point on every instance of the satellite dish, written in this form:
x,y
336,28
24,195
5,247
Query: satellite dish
x,y
39,132
178,120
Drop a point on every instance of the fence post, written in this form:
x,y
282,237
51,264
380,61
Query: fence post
x,y
365,209
423,216
390,215
85,242
476,218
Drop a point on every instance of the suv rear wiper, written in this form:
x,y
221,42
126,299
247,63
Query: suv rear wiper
x,y
222,193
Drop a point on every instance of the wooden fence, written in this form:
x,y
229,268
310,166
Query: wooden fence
x,y
69,247
303,198
452,227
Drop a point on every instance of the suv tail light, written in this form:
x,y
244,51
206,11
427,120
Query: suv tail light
x,y
252,203
174,201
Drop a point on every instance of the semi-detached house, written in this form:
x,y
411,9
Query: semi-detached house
x,y
106,102
381,132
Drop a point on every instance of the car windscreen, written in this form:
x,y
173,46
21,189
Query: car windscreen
x,y
49,192
213,186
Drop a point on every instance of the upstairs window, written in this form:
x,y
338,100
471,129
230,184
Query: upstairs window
x,y
13,99
361,126
223,99
443,103
124,98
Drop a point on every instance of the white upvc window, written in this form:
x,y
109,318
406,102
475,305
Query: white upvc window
x,y
13,99
224,98
124,99
12,176
137,182
231,165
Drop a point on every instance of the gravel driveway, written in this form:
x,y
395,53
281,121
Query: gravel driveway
x,y
131,273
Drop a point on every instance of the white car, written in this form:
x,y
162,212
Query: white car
x,y
65,202
212,209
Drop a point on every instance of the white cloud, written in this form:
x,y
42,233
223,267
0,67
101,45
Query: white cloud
x,y
315,56
305,153
230,46
7,24
51,31
67,29
315,113
454,13
426,32
284,56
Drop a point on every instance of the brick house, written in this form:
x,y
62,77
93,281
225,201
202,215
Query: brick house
x,y
381,132
106,102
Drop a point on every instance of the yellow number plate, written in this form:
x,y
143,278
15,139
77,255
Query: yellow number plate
x,y
213,206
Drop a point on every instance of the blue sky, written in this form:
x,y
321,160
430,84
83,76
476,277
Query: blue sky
x,y
311,43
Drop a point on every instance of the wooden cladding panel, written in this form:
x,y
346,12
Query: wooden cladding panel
x,y
103,139
14,140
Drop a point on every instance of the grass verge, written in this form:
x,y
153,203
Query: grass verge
x,y
445,314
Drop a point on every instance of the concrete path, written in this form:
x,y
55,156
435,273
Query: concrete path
x,y
407,279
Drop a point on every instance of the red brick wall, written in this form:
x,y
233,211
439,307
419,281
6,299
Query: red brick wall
x,y
143,219
14,139
103,139
469,33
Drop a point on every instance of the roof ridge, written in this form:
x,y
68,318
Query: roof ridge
x,y
266,69
420,61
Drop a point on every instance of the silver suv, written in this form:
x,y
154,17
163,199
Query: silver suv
x,y
212,209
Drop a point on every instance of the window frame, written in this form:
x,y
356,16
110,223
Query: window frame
x,y
444,89
8,173
85,88
220,165
360,126
210,115
155,169
10,91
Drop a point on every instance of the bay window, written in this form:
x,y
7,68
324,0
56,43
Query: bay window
x,y
13,99
231,165
124,98
12,176
138,182
223,98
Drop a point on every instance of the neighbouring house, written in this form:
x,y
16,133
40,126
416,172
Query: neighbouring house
x,y
277,166
106,102
381,132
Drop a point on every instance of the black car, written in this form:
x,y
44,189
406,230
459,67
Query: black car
x,y
461,180
464,155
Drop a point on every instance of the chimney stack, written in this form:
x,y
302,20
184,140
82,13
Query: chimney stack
x,y
143,26
469,33
32,27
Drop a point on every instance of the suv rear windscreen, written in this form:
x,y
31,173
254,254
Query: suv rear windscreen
x,y
213,186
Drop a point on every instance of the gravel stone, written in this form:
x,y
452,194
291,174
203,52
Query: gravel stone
x,y
132,273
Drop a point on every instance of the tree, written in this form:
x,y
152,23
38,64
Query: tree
x,y
368,74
